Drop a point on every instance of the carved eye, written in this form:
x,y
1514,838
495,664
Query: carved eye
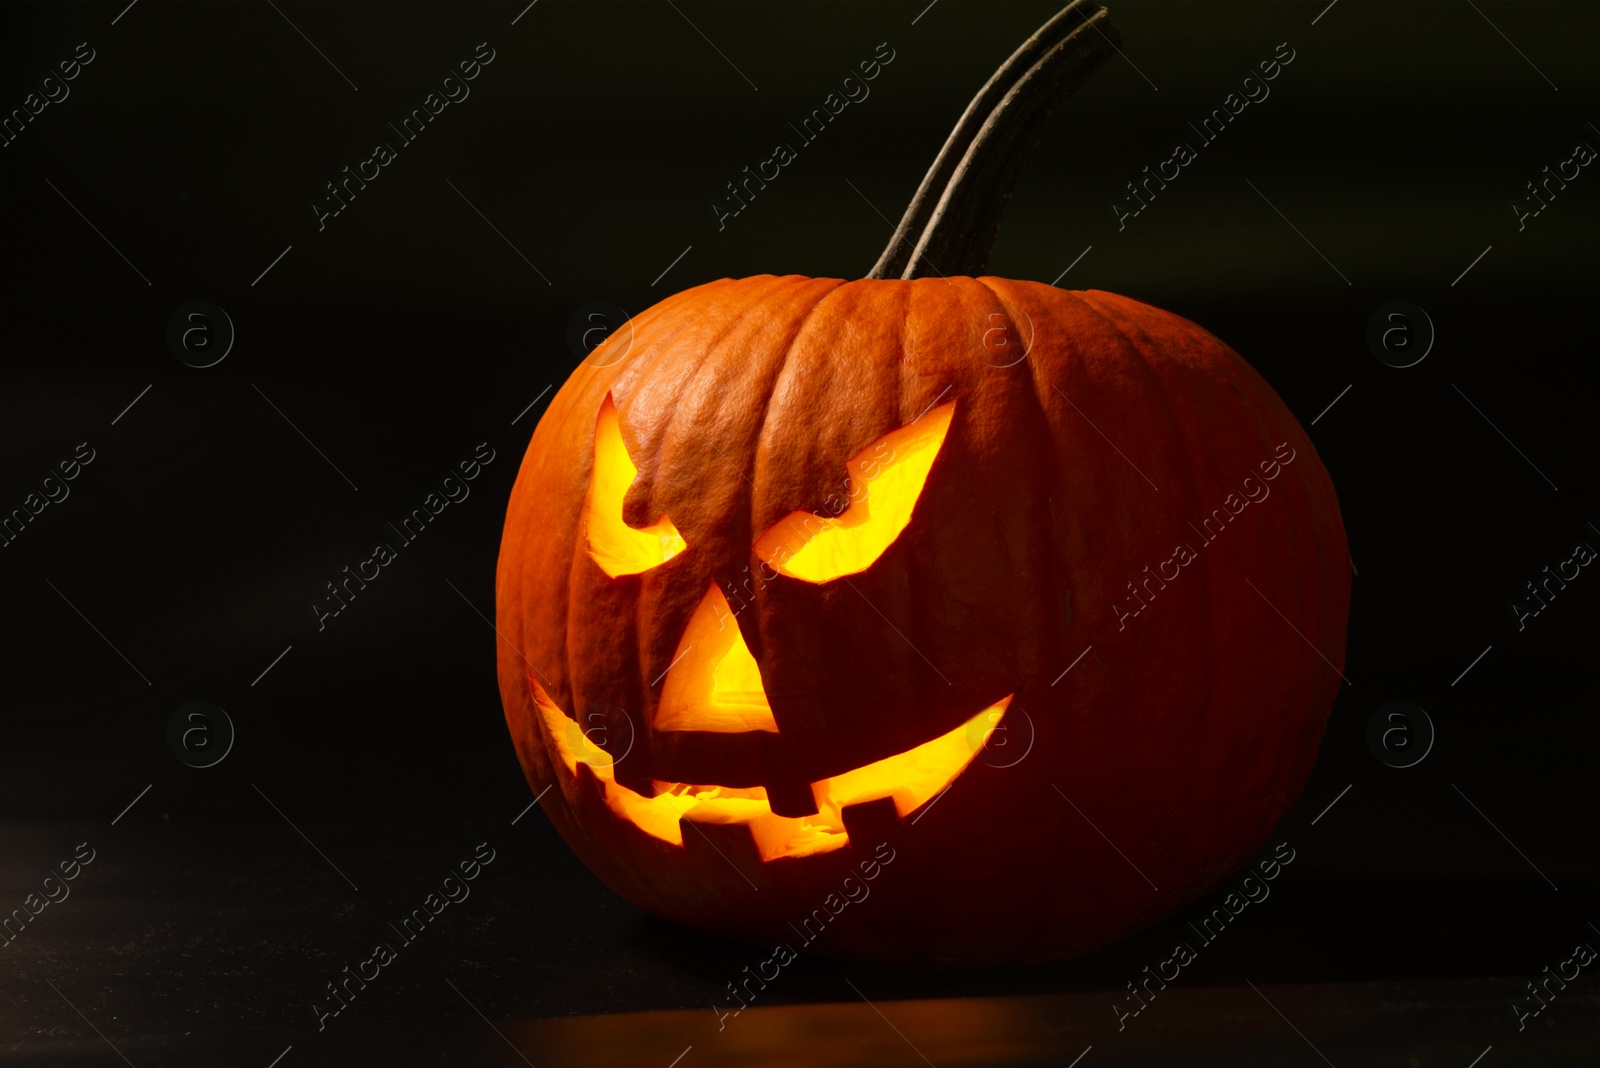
x,y
618,548
886,480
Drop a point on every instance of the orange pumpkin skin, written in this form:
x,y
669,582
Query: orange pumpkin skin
x,y
1092,435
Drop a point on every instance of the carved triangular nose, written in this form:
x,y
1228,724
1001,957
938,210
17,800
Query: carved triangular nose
x,y
714,684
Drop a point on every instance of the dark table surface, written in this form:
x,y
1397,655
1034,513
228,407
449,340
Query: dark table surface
x,y
199,943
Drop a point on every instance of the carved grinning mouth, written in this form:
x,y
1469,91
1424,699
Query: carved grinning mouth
x,y
911,779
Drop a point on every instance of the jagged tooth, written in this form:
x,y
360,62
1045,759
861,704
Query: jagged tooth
x,y
633,770
591,791
792,799
870,822
721,843
705,757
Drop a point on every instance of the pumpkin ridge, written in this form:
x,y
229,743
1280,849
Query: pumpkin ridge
x,y
1061,581
1192,503
658,459
1259,398
664,311
788,353
660,436
757,304
1242,369
917,639
1260,395
579,419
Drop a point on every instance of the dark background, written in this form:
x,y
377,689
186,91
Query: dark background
x,y
408,331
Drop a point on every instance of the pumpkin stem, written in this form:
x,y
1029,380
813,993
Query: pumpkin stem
x,y
952,222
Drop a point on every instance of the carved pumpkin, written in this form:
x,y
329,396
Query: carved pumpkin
x,y
778,579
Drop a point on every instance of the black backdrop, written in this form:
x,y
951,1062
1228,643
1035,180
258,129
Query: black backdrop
x,y
426,317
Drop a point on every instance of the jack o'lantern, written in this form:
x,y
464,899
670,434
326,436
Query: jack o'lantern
x,y
786,565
